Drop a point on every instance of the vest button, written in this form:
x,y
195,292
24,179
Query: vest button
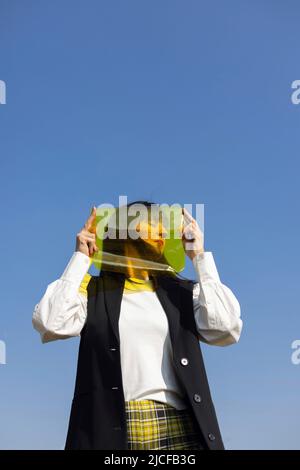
x,y
197,398
211,437
115,388
112,349
184,361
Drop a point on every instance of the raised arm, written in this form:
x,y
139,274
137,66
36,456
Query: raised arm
x,y
61,312
216,309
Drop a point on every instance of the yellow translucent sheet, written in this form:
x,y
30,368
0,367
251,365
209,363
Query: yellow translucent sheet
x,y
161,250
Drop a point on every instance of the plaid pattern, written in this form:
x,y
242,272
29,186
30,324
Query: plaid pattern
x,y
155,425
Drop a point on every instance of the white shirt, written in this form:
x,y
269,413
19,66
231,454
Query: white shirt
x,y
145,345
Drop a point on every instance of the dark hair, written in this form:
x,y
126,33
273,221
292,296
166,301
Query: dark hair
x,y
117,246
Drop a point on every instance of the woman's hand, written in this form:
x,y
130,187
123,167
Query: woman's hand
x,y
86,238
192,236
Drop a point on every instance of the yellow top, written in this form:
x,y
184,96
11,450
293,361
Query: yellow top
x,y
132,284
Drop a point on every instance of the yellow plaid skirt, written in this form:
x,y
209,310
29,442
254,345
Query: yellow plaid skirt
x,y
155,425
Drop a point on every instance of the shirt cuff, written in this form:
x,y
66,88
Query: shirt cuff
x,y
77,268
205,267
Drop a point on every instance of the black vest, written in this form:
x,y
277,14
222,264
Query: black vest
x,y
98,415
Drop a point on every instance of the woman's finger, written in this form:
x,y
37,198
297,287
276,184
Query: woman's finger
x,y
189,232
187,216
88,235
92,247
90,224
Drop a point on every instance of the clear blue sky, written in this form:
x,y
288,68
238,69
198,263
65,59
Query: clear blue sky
x,y
172,101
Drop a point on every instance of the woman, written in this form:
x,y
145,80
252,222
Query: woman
x,y
141,381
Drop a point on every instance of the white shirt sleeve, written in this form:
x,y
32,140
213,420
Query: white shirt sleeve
x,y
216,309
62,311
